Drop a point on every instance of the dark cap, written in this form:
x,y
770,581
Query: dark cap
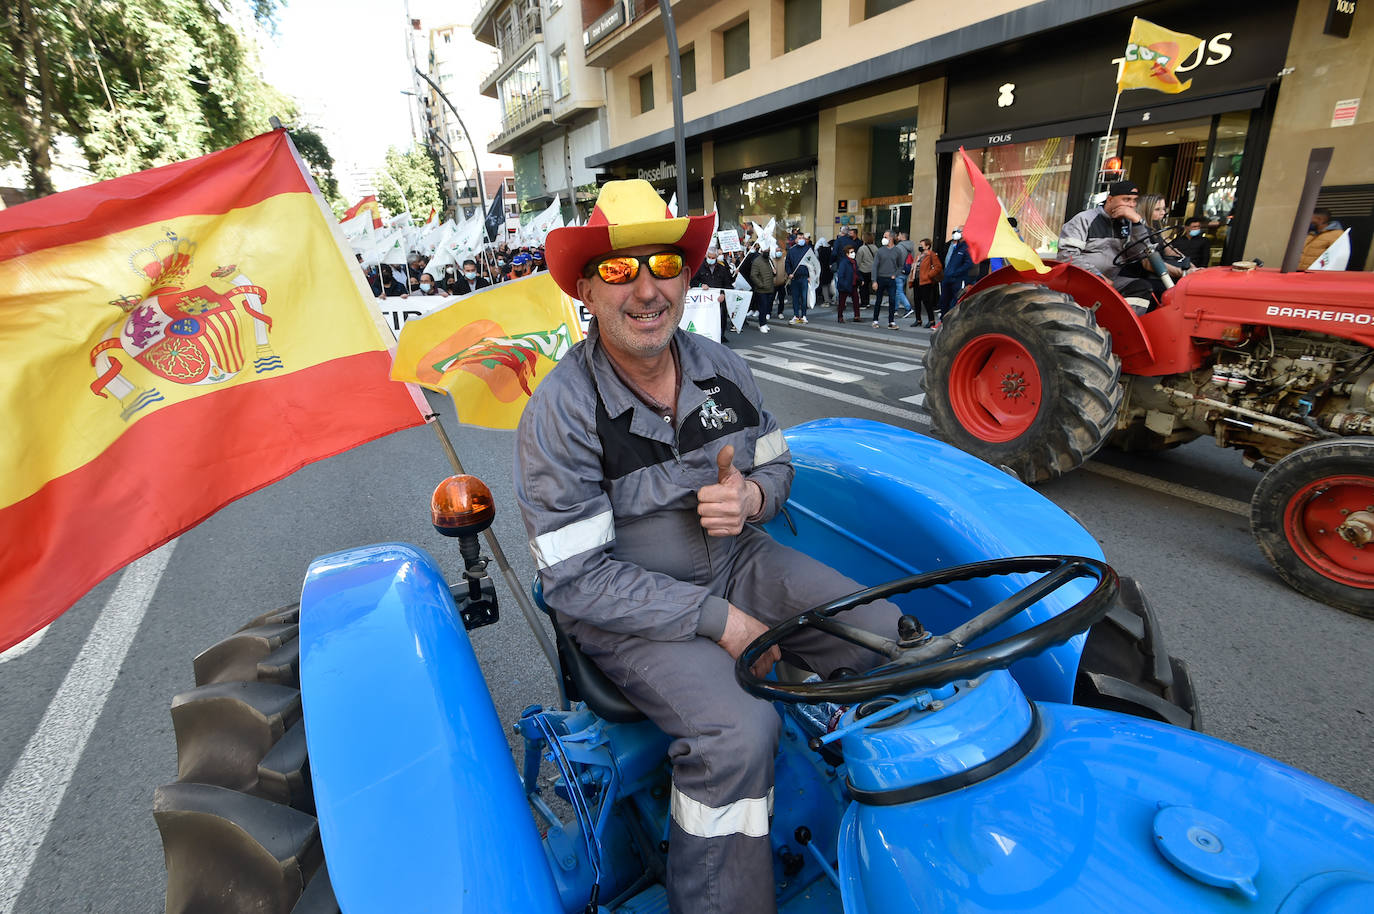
x,y
1117,188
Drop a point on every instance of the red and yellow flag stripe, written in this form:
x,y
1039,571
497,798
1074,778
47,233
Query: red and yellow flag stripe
x,y
171,341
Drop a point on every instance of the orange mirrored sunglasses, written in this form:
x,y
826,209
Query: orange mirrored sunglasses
x,y
618,269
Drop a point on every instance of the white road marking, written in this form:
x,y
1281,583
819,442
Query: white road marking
x,y
34,789
23,647
1196,496
915,399
843,397
763,357
863,363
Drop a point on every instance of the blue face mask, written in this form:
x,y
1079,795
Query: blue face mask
x,y
470,274
1193,233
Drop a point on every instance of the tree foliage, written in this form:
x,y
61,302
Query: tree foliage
x,y
136,83
417,173
313,150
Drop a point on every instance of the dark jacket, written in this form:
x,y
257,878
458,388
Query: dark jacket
x,y
717,275
794,258
761,276
845,275
959,263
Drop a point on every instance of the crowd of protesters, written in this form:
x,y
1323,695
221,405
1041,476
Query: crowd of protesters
x,y
856,273
500,264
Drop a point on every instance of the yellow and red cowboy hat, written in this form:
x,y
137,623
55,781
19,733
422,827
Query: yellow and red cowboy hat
x,y
627,214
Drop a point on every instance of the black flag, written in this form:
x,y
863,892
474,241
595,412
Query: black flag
x,y
496,215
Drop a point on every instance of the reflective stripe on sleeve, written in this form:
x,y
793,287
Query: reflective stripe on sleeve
x,y
770,447
742,817
576,538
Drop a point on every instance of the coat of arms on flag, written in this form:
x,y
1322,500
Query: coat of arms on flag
x,y
183,335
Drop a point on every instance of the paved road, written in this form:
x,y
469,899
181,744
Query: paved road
x,y
85,734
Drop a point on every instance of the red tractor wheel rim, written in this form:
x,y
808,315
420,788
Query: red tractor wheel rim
x,y
1318,515
994,388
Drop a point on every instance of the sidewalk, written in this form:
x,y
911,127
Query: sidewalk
x,y
821,319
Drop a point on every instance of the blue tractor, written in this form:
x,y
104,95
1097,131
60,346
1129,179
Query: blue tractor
x,y
1028,746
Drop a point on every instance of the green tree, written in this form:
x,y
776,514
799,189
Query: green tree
x,y
417,174
136,83
313,150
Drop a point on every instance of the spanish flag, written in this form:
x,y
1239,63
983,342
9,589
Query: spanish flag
x,y
1152,56
169,342
986,228
367,204
489,350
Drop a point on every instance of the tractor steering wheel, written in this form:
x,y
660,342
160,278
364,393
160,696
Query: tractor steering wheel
x,y
1139,245
919,660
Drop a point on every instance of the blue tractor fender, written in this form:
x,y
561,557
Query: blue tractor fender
x,y
410,765
879,502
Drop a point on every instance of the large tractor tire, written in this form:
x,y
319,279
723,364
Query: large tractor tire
x,y
1021,376
238,826
1313,516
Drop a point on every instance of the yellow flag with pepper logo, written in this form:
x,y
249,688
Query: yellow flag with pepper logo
x,y
1152,58
489,350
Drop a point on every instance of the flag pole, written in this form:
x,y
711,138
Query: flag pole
x,y
1111,122
512,581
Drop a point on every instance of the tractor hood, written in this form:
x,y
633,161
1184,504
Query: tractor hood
x,y
1338,303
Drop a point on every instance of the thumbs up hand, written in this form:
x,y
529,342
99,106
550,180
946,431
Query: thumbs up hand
x,y
725,506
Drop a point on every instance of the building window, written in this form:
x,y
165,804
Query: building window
x,y
645,82
688,58
560,74
878,7
801,23
510,185
735,49
522,96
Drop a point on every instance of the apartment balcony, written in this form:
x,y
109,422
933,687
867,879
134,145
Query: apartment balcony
x,y
641,29
532,114
513,46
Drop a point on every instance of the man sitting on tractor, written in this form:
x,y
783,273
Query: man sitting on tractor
x,y
640,462
1096,238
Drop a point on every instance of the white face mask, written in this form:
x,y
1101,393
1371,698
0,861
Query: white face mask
x,y
886,242
958,235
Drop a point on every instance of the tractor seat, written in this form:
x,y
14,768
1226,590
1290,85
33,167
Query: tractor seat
x,y
583,679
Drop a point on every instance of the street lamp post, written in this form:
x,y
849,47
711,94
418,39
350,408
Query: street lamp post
x,y
481,189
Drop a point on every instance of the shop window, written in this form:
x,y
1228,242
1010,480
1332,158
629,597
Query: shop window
x,y
892,166
1224,168
688,59
1032,181
789,198
644,84
735,49
801,23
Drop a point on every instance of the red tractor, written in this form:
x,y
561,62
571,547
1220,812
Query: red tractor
x,y
1036,372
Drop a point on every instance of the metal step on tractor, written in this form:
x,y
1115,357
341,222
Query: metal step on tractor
x,y
1037,372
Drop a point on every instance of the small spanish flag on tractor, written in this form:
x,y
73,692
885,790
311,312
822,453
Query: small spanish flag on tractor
x,y
986,228
171,341
489,350
1152,58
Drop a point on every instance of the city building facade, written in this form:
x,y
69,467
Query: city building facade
x,y
552,104
850,112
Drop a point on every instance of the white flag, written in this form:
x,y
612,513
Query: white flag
x,y
1336,257
550,219
672,205
813,275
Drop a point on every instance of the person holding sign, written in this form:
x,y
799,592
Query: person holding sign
x,y
714,273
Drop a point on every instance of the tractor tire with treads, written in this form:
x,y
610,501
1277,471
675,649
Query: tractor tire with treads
x,y
238,826
1021,376
1313,517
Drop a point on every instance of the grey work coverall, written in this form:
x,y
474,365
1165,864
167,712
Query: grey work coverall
x,y
608,492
